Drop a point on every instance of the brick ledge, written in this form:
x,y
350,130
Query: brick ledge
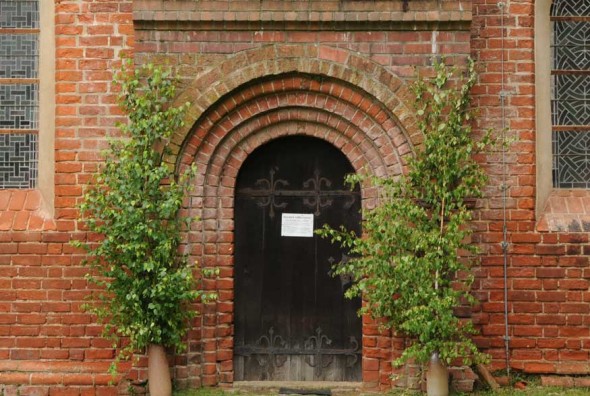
x,y
307,25
22,210
254,11
566,211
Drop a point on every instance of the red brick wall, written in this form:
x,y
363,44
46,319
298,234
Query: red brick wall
x,y
366,99
369,49
547,271
48,345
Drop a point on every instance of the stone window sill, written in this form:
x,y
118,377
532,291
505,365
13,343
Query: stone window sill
x,y
566,211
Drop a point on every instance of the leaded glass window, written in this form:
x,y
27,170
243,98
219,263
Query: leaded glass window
x,y
570,92
19,93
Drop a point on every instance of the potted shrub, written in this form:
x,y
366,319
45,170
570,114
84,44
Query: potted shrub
x,y
411,264
145,288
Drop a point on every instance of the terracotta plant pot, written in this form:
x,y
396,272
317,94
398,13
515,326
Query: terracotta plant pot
x,y
437,377
159,382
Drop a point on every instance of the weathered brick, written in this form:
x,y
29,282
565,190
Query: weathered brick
x,y
547,270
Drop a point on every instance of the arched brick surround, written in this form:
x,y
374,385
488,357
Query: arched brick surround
x,y
51,346
241,119
338,63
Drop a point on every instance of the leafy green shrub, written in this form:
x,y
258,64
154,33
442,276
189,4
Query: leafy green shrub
x,y
145,287
406,264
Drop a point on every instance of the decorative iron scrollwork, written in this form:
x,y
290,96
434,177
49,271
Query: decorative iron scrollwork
x,y
266,192
316,199
316,193
272,351
316,343
323,356
268,351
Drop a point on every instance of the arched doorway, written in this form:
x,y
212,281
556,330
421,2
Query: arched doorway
x,y
291,320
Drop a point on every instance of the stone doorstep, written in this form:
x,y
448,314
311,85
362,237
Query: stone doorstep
x,y
272,387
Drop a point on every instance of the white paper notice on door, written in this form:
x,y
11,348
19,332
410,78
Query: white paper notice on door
x,y
297,225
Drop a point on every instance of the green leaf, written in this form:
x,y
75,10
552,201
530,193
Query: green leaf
x,y
144,288
407,265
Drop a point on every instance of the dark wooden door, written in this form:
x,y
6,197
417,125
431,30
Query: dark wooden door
x,y
292,321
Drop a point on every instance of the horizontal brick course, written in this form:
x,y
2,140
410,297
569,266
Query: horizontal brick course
x,y
327,14
365,53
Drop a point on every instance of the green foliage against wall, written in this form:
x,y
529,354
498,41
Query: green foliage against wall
x,y
407,263
146,287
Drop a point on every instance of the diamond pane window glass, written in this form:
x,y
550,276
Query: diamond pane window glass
x,y
570,93
19,93
19,14
19,55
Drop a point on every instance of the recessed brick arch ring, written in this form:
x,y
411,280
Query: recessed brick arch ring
x,y
366,134
254,106
340,64
390,164
219,163
230,163
331,104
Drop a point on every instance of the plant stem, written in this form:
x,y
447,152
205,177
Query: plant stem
x,y
442,223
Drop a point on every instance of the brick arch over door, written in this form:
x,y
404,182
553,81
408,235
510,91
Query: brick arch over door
x,y
352,119
346,66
